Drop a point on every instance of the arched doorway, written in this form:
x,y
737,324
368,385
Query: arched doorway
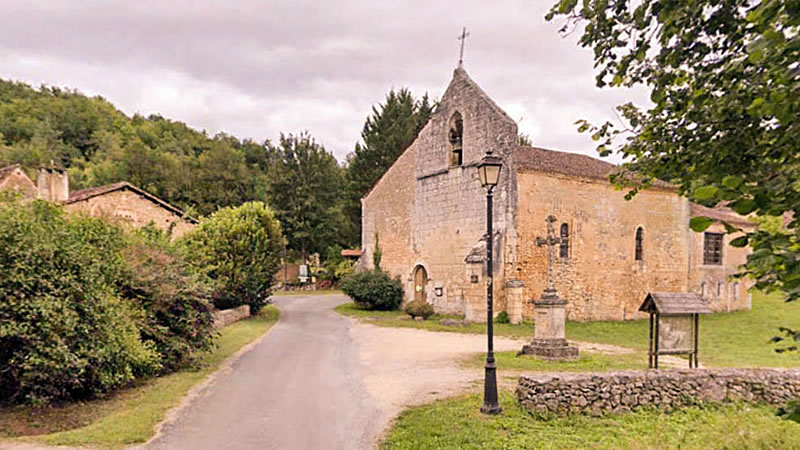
x,y
420,281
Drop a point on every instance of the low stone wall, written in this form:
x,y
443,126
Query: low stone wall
x,y
229,316
611,392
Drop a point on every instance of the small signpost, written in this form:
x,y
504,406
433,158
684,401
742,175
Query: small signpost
x,y
674,324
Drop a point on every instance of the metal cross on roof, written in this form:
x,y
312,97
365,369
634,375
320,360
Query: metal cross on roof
x,y
463,39
550,242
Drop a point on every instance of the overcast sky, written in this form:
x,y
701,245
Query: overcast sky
x,y
258,68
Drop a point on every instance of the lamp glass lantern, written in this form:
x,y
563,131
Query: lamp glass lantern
x,y
489,170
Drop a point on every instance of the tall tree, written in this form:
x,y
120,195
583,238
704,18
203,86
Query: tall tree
x,y
305,192
724,127
387,132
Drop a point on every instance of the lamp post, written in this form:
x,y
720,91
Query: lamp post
x,y
489,174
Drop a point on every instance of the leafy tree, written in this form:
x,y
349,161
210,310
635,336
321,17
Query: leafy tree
x,y
175,299
724,124
387,132
240,250
305,184
65,332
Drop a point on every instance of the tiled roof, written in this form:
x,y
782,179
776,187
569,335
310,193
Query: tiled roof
x,y
669,303
5,172
551,161
85,194
720,213
354,253
565,163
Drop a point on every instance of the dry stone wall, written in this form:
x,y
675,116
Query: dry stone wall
x,y
612,392
228,316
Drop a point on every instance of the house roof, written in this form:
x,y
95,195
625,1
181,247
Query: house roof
x,y
5,172
674,303
85,194
720,213
566,163
552,161
353,253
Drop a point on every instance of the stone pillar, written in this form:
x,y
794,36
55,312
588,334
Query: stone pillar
x,y
549,341
514,300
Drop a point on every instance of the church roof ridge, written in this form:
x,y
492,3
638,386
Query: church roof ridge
x,y
565,163
461,74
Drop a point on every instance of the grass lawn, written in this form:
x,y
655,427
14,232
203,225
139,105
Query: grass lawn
x,y
129,416
587,362
735,339
402,320
457,423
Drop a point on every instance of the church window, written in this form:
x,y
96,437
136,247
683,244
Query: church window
x,y
639,243
563,248
703,289
720,289
456,139
712,249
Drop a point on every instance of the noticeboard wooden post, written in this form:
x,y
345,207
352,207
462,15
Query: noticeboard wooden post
x,y
674,324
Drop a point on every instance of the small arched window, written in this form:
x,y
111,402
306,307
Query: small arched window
x,y
639,244
456,139
563,248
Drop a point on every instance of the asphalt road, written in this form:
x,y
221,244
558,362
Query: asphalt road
x,y
299,388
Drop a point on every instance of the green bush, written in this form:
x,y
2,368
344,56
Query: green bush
x,y
419,308
175,300
374,289
502,317
65,333
240,250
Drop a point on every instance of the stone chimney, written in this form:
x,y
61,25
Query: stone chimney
x,y
53,184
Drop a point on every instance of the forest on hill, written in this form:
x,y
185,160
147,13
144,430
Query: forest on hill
x,y
315,197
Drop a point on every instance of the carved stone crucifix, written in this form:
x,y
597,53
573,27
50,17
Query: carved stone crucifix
x,y
550,242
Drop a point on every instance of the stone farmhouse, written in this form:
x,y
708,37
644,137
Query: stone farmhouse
x,y
428,214
121,202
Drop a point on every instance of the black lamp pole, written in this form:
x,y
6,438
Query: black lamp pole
x,y
490,404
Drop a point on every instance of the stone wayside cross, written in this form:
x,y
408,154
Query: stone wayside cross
x,y
550,242
549,340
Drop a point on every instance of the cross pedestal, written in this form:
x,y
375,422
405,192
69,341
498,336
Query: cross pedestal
x,y
549,339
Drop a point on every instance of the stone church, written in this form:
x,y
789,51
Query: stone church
x,y
427,214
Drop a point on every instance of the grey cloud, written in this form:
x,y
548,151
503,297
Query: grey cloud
x,y
255,68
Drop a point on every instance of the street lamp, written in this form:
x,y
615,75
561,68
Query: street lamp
x,y
489,174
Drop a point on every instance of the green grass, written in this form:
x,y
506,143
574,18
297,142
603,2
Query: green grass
x,y
129,417
402,320
457,424
586,362
735,339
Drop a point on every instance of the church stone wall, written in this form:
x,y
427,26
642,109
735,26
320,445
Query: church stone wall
x,y
601,278
714,282
430,213
128,207
386,212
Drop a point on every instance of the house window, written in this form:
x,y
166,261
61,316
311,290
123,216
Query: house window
x,y
456,139
712,249
720,289
703,289
639,239
563,248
